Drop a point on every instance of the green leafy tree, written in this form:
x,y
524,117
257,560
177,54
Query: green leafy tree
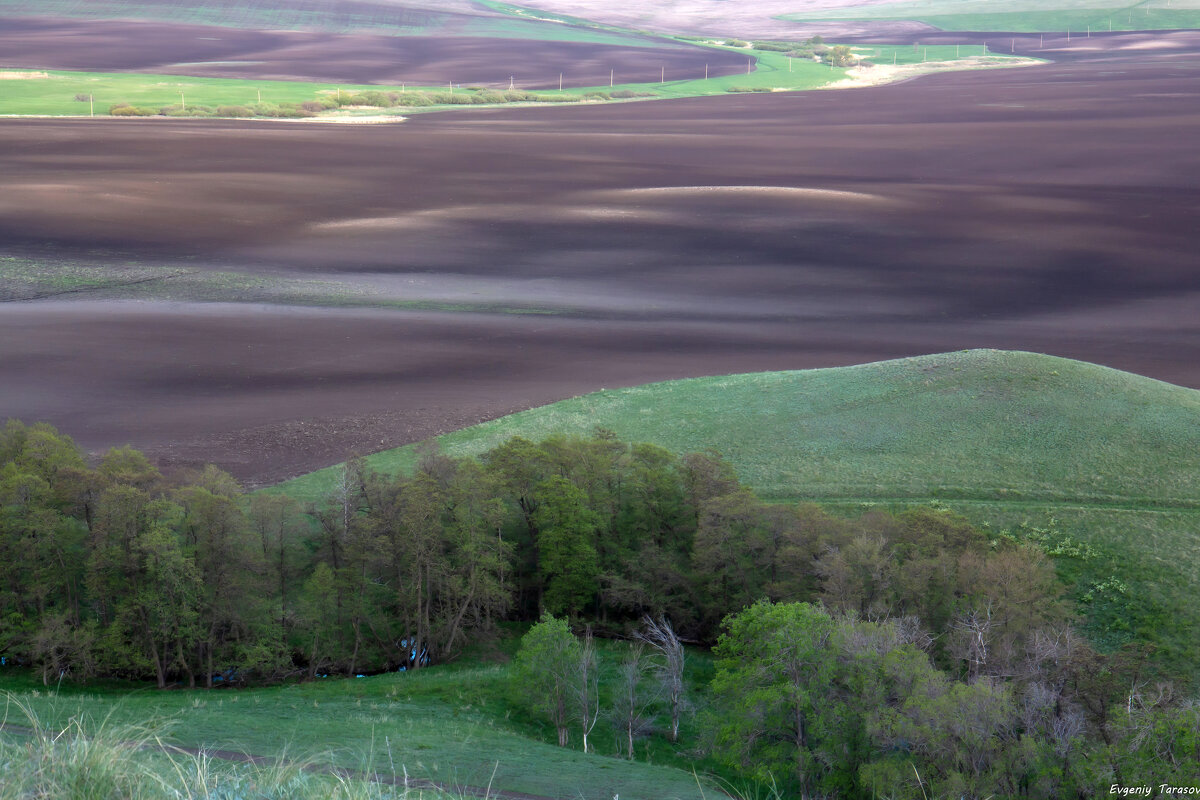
x,y
546,673
774,663
569,564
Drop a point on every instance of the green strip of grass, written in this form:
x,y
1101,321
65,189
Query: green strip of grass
x,y
1005,15
25,279
55,94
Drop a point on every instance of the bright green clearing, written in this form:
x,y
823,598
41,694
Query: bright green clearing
x,y
1026,15
1020,441
53,92
453,724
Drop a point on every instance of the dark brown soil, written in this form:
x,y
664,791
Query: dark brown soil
x,y
1049,209
159,47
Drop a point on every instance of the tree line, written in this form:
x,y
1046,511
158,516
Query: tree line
x,y
848,644
813,702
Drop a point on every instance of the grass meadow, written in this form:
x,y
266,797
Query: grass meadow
x,y
1103,463
1027,15
54,92
455,725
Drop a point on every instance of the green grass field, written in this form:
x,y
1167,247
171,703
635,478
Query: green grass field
x,y
1022,442
53,92
453,724
1026,15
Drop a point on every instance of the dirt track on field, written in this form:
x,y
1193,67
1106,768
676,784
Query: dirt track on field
x,y
1049,208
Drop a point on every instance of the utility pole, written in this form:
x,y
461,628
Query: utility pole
x,y
92,104
662,75
182,101
706,72
611,73
560,81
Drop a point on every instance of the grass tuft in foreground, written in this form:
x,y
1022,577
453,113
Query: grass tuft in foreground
x,y
104,759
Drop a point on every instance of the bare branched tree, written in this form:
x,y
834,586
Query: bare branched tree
x,y
633,698
587,690
661,637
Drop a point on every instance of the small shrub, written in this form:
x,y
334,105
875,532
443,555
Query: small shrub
x,y
372,98
414,99
456,99
626,94
82,98
600,95
736,43
738,89
491,96
774,47
189,111
234,111
280,111
127,110
313,105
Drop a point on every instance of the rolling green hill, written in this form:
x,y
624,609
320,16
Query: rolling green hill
x,y
1100,466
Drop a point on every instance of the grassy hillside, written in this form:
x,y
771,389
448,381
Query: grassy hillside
x,y
980,425
455,725
1101,466
1026,15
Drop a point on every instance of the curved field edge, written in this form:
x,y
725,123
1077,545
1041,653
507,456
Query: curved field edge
x,y
64,93
1098,465
977,424
1021,16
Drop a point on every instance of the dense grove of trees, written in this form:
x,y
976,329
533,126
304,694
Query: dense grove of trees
x,y
848,650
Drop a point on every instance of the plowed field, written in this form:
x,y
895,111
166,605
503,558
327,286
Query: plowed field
x,y
270,296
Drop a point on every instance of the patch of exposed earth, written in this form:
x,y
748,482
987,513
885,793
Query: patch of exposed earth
x,y
323,289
